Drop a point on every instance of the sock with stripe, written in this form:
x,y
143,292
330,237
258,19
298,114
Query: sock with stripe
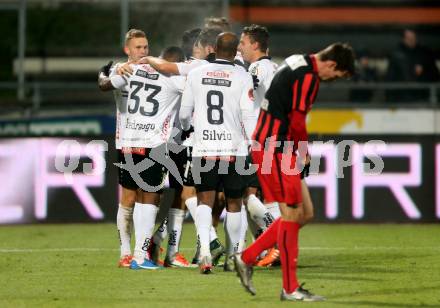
x,y
288,246
265,241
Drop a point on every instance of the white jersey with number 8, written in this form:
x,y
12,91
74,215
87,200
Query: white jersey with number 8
x,y
219,98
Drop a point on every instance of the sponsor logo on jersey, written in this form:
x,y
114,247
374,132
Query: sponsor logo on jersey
x,y
216,82
139,126
216,135
218,74
147,75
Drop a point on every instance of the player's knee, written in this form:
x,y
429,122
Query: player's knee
x,y
188,193
128,200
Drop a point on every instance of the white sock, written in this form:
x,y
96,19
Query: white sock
x,y
244,226
259,213
191,205
274,209
124,223
225,228
212,234
233,225
175,222
161,232
144,217
204,223
255,230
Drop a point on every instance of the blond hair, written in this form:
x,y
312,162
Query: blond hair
x,y
134,33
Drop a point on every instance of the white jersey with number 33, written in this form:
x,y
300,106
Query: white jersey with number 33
x,y
151,106
219,98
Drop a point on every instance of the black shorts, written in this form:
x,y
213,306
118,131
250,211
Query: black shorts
x,y
149,180
181,160
187,165
251,179
232,182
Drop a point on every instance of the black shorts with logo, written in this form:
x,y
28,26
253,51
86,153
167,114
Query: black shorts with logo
x,y
252,179
223,174
149,180
183,163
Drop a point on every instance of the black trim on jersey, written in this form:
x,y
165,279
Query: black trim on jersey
x,y
263,114
210,57
223,62
264,57
243,65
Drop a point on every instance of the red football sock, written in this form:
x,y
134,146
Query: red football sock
x,y
265,241
288,246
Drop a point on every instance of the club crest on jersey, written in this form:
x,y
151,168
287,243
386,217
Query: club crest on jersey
x,y
215,135
254,70
264,104
145,74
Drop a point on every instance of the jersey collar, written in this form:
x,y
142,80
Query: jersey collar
x,y
222,61
264,57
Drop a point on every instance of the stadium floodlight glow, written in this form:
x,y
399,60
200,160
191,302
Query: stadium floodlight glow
x,y
395,181
327,178
92,177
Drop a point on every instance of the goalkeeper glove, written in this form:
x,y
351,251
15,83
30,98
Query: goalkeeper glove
x,y
106,68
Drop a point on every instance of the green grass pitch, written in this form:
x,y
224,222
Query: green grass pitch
x,y
352,265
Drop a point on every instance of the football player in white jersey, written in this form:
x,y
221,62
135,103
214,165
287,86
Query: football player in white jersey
x,y
136,47
152,106
205,46
171,225
253,46
220,95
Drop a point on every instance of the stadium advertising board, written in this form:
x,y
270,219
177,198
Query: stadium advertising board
x,y
342,187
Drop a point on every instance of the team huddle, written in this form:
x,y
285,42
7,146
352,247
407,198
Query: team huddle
x,y
228,127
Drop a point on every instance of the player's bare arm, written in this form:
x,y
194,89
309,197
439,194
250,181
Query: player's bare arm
x,y
161,65
104,82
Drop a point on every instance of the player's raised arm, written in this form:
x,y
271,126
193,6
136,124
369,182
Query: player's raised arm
x,y
162,66
104,82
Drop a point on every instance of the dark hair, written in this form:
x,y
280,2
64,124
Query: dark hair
x,y
173,54
218,22
343,54
226,45
258,34
208,36
189,38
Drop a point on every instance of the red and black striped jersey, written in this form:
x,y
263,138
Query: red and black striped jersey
x,y
288,100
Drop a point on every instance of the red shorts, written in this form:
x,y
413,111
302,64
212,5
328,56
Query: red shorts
x,y
278,179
